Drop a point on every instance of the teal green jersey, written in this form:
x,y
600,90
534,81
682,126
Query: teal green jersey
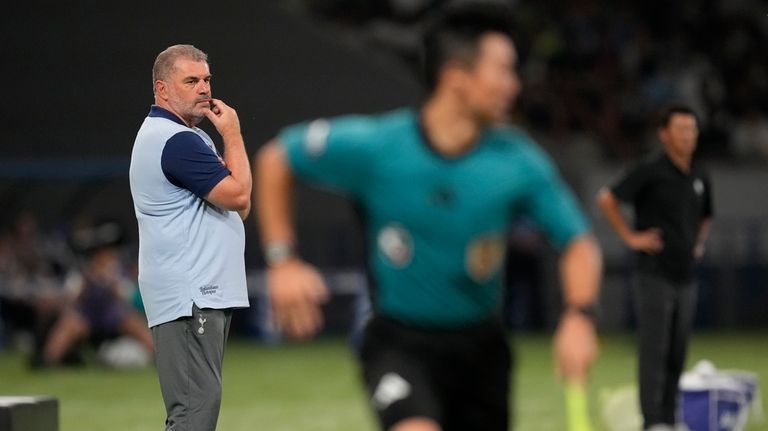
x,y
435,227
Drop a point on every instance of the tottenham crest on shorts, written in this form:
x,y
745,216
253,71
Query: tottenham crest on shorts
x,y
392,387
484,257
396,245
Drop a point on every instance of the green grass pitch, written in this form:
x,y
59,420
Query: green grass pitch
x,y
315,386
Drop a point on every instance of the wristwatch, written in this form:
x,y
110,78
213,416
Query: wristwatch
x,y
278,252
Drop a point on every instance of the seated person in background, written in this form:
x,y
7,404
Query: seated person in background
x,y
33,263
100,308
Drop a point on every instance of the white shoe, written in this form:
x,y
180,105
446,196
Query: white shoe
x,y
660,427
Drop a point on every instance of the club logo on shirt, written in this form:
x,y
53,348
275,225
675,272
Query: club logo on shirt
x,y
484,257
392,387
316,138
396,245
698,186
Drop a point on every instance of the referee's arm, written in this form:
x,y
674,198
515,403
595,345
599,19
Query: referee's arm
x,y
296,289
273,194
576,341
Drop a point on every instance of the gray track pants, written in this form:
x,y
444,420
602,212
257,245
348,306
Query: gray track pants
x,y
189,357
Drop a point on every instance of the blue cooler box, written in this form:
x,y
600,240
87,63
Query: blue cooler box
x,y
716,400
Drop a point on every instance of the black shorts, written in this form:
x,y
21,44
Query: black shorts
x,y
458,377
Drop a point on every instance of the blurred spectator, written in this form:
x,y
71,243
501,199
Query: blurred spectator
x,y
32,266
605,67
100,306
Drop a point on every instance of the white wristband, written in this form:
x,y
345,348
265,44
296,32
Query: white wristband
x,y
278,252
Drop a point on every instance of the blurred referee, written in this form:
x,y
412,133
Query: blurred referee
x,y
672,203
438,186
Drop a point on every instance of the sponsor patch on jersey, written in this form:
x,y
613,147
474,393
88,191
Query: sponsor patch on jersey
x,y
392,387
396,245
316,139
484,257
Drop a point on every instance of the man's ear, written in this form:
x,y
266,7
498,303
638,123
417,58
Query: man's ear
x,y
453,74
161,89
661,133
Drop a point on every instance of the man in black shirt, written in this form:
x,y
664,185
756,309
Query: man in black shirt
x,y
672,203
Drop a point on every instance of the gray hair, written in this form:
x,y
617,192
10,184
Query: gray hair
x,y
166,60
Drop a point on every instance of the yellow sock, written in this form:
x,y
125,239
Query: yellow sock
x,y
576,408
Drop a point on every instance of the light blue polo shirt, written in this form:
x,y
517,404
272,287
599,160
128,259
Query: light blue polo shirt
x,y
190,251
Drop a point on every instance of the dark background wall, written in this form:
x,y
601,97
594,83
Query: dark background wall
x,y
78,74
79,85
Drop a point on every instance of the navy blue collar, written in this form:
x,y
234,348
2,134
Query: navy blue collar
x,y
156,111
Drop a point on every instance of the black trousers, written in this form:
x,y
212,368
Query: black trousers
x,y
665,312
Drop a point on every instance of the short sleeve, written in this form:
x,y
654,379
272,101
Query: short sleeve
x,y
552,205
629,185
333,153
189,163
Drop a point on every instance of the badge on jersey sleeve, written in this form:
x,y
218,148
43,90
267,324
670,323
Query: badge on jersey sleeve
x,y
484,256
396,245
316,139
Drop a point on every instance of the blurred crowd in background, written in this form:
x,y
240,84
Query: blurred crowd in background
x,y
66,289
604,67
